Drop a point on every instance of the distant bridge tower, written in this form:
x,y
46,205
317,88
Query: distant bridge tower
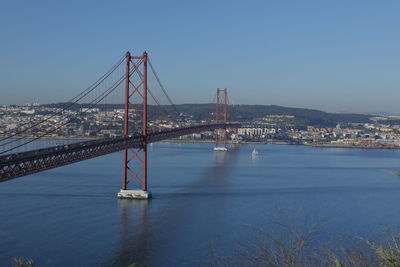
x,y
221,116
135,122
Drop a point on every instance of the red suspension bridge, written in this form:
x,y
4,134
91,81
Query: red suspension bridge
x,y
18,158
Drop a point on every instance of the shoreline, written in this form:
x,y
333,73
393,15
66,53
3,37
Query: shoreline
x,y
351,146
327,145
212,142
283,143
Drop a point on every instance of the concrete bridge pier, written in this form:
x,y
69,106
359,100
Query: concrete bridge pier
x,y
133,194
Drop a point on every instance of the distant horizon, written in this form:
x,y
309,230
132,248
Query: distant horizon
x,y
230,104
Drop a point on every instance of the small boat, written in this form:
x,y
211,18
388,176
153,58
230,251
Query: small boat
x,y
254,153
222,149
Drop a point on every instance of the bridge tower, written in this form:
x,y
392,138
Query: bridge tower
x,y
221,116
135,122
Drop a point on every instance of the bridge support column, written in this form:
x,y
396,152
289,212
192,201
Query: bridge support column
x,y
135,161
221,115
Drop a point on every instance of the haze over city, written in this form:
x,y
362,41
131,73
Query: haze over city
x,y
337,56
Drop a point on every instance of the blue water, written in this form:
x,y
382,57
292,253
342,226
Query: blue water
x,y
203,201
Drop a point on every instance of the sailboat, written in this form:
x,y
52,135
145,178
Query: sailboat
x,y
254,153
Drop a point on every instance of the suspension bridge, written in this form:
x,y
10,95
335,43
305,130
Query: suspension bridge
x,y
23,151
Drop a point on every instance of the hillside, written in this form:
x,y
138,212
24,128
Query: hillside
x,y
245,113
302,116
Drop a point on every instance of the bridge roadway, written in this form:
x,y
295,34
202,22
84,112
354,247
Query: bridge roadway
x,y
25,163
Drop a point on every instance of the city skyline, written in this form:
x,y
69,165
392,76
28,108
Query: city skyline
x,y
335,57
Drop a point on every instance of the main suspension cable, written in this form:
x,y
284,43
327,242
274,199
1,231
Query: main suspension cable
x,y
92,104
162,86
68,104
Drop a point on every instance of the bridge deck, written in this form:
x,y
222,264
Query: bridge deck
x,y
24,163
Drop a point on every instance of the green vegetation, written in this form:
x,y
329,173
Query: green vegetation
x,y
21,262
394,173
295,248
299,249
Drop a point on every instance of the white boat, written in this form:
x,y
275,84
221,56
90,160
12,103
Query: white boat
x,y
222,149
254,153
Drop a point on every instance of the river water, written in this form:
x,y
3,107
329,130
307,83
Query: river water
x,y
203,202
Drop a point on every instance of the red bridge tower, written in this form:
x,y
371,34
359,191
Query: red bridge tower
x,y
135,122
221,116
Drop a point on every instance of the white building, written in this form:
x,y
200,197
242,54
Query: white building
x,y
255,131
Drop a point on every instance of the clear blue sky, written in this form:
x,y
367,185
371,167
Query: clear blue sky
x,y
330,55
